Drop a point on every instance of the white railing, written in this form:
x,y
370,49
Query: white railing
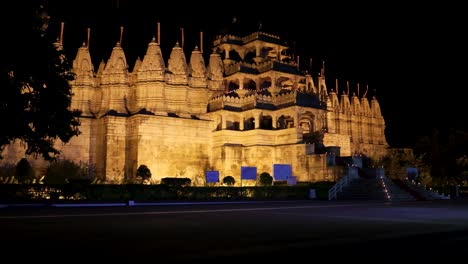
x,y
338,187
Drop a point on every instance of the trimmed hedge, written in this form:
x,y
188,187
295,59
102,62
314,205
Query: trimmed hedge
x,y
83,191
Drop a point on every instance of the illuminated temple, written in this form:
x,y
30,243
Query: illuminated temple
x,y
248,105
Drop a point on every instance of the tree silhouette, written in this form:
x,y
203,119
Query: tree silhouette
x,y
265,179
229,180
35,94
144,172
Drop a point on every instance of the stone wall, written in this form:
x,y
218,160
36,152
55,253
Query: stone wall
x,y
170,146
330,139
229,159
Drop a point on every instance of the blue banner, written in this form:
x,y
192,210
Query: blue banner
x,y
212,176
248,173
281,172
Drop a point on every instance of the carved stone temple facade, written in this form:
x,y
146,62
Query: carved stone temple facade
x,y
249,105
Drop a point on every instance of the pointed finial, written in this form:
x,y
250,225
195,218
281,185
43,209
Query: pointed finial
x,y
196,48
336,83
159,33
201,41
322,71
83,44
89,36
358,89
365,93
153,39
121,33
347,87
182,37
62,25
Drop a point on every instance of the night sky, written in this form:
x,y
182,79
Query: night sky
x,y
413,57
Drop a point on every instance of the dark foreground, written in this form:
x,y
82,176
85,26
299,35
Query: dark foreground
x,y
303,231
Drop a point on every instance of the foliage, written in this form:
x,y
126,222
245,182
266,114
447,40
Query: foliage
x,y
24,171
64,171
229,180
176,182
7,171
120,192
36,95
396,162
443,152
265,179
144,172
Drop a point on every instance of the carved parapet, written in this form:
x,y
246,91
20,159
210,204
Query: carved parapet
x,y
285,98
215,103
247,102
232,68
265,66
279,99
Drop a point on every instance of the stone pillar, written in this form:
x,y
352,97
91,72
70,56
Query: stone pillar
x,y
274,121
241,123
223,122
257,85
257,121
258,48
226,53
241,83
296,120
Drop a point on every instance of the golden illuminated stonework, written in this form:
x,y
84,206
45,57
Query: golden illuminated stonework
x,y
251,105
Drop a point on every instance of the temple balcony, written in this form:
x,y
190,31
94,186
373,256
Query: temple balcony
x,y
257,137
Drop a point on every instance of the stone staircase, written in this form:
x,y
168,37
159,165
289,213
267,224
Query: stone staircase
x,y
422,191
380,188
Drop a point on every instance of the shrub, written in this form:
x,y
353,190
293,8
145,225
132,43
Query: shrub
x,y
176,182
24,171
144,172
265,179
229,180
7,172
63,171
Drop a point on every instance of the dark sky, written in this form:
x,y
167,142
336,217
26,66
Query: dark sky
x,y
412,56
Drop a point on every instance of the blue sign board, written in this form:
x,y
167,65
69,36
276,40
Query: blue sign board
x,y
292,180
248,173
281,172
212,176
412,173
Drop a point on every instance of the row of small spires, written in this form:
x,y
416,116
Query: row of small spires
x,y
322,71
62,26
347,89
